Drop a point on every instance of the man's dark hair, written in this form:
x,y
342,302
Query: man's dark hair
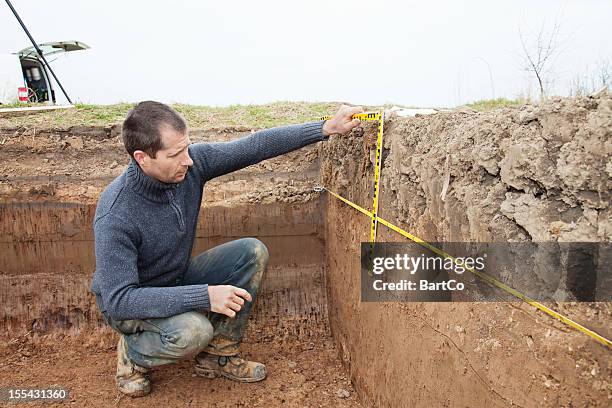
x,y
141,126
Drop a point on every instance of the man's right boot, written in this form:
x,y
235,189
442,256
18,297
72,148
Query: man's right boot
x,y
131,378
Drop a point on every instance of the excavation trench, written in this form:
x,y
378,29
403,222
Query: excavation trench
x,y
48,255
51,331
524,174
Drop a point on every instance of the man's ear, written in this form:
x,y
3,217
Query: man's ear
x,y
141,157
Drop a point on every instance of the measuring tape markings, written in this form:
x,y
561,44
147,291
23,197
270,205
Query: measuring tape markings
x,y
380,118
379,145
486,277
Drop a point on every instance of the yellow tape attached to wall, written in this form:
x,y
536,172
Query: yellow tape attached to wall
x,y
379,116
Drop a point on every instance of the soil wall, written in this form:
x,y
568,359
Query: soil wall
x,y
49,183
535,173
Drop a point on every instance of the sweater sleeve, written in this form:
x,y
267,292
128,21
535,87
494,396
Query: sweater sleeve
x,y
116,267
216,159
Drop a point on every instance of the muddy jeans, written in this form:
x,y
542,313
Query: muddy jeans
x,y
154,342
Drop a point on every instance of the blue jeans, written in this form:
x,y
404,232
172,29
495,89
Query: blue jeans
x,y
154,342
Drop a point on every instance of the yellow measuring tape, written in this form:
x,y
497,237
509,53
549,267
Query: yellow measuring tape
x,y
380,118
488,278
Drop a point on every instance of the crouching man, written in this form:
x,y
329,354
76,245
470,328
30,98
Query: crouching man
x,y
147,286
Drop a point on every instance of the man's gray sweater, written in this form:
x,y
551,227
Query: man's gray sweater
x,y
145,229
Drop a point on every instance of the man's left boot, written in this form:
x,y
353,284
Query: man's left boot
x,y
232,367
131,379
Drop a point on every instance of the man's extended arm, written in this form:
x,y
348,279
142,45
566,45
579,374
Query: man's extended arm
x,y
216,159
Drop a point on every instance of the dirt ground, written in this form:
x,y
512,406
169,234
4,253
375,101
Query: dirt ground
x,y
300,374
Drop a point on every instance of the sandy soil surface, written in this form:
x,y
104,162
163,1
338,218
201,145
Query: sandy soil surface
x,y
300,374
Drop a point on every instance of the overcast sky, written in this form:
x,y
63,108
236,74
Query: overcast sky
x,y
415,53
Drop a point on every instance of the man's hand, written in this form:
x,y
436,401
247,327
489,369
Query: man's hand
x,y
342,122
227,299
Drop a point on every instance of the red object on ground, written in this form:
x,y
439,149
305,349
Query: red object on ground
x,y
22,92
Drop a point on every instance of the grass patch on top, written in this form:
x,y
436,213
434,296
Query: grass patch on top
x,y
489,104
252,116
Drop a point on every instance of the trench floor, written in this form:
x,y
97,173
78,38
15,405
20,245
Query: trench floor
x,y
300,374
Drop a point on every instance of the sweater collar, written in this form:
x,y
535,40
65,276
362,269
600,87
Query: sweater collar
x,y
146,185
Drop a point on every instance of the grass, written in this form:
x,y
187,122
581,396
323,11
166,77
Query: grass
x,y
254,116
489,104
251,116
18,105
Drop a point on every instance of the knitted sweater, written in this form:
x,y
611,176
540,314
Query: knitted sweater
x,y
144,229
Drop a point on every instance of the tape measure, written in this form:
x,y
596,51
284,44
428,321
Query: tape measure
x,y
379,116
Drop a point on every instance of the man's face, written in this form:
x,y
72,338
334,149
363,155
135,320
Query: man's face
x,y
172,161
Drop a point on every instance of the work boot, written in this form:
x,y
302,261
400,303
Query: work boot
x,y
223,346
131,378
232,367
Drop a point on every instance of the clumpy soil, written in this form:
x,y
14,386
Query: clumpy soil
x,y
534,173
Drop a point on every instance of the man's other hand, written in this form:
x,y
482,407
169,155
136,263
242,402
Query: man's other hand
x,y
342,122
227,299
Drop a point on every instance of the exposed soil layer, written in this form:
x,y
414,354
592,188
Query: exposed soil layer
x,y
49,261
526,174
75,166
